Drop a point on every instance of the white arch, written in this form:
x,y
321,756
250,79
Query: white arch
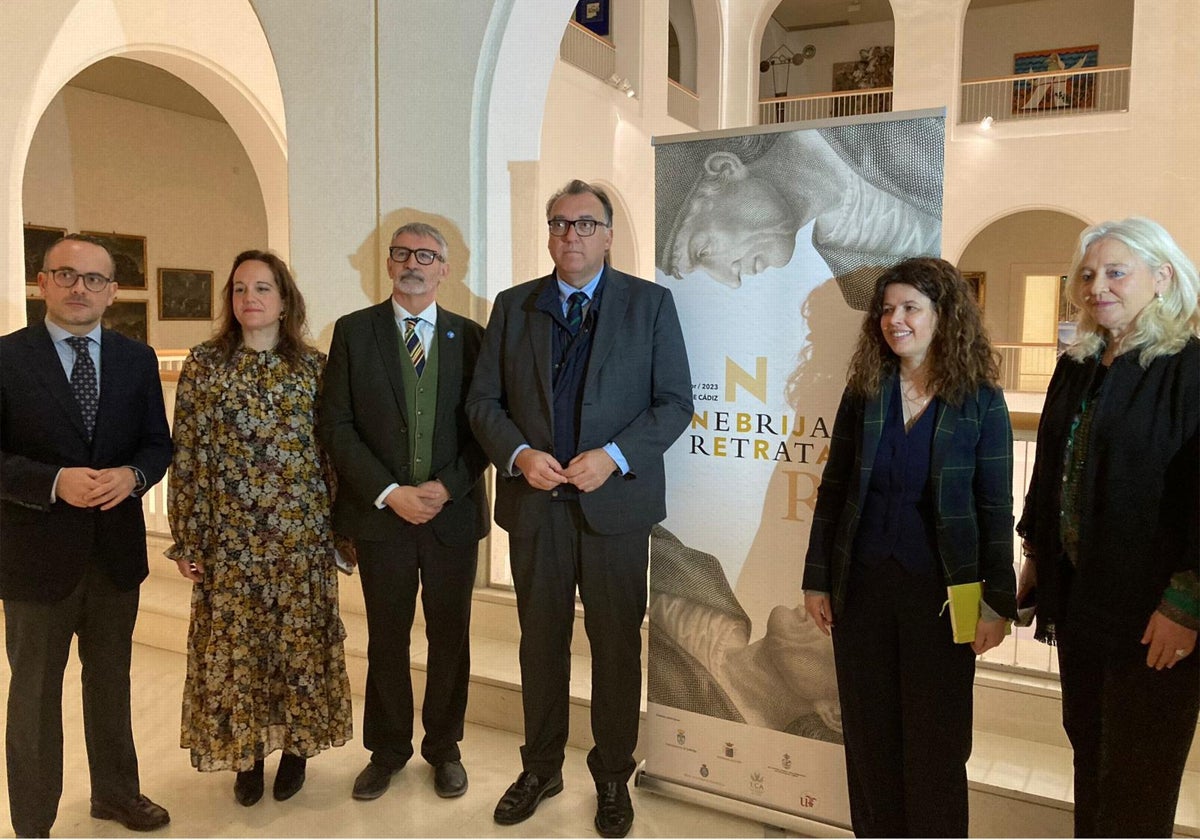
x,y
961,245
216,46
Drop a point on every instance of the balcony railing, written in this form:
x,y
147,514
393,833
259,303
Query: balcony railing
x,y
1033,95
822,106
1026,367
588,51
682,104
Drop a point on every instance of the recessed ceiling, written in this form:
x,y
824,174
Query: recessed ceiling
x,y
145,83
796,15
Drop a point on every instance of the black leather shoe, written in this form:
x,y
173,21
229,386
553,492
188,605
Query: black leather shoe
x,y
289,778
373,781
522,797
450,779
614,811
138,814
248,788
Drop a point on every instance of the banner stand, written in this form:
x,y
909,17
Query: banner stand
x,y
769,817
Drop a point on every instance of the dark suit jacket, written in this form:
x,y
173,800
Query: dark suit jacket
x,y
970,475
363,425
44,547
637,393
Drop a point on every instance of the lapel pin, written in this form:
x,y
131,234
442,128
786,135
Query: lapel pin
x,y
449,333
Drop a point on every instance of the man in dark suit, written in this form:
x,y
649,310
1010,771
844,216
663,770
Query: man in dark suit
x,y
83,434
582,385
410,494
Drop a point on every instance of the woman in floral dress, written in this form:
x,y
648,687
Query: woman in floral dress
x,y
249,510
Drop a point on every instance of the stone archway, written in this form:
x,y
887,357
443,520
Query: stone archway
x,y
216,46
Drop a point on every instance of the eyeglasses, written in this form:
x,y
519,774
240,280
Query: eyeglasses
x,y
584,227
68,277
424,255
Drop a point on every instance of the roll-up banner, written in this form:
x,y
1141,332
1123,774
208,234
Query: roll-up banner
x,y
771,240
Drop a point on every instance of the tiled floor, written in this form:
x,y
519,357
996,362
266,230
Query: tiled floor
x,y
202,804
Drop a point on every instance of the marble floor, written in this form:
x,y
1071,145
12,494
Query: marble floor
x,y
202,804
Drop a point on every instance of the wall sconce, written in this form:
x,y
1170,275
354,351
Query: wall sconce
x,y
622,84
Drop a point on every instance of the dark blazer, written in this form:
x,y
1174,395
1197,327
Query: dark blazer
x,y
637,393
970,475
363,425
1140,487
44,547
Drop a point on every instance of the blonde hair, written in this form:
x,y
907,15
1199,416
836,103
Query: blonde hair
x,y
1168,321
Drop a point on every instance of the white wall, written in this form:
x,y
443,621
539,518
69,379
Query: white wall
x,y
102,163
992,35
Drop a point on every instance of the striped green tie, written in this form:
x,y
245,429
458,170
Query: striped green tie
x,y
416,351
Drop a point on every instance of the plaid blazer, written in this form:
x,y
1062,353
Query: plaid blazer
x,y
970,483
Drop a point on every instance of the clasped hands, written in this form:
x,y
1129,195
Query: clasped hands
x,y
587,470
85,487
418,504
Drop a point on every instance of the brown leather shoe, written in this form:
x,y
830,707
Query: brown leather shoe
x,y
138,814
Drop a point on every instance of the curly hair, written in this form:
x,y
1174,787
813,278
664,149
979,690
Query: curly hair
x,y
1168,321
292,327
960,356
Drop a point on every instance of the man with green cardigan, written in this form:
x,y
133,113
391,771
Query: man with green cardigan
x,y
410,495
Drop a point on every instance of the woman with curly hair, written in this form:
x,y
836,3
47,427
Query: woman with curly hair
x,y
1112,527
916,495
249,503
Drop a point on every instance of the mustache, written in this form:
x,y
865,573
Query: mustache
x,y
410,274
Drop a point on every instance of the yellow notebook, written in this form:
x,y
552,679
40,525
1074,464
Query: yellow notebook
x,y
962,599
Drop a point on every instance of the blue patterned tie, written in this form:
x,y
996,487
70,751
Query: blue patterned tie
x,y
83,382
416,351
575,311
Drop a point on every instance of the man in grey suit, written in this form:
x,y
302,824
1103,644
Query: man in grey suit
x,y
410,495
581,386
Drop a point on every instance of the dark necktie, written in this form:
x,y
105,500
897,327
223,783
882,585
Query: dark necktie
x,y
416,351
575,311
83,382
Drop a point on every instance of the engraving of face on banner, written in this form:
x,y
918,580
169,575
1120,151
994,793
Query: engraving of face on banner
x,y
771,244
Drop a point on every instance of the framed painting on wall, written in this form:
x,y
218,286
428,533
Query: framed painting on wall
x,y
593,14
35,310
184,294
37,240
129,254
977,280
128,317
1052,91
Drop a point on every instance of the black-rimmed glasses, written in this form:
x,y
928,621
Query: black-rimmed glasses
x,y
584,227
66,278
424,255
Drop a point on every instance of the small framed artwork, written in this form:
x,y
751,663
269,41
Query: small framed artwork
x,y
184,294
35,310
1056,86
128,317
37,240
977,280
593,14
129,254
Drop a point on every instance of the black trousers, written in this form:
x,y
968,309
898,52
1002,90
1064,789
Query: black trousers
x,y
906,694
1131,728
610,572
392,572
38,639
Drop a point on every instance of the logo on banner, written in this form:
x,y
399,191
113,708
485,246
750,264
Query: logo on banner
x,y
756,783
681,737
786,761
704,771
729,749
806,800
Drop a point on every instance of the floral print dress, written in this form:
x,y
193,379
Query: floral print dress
x,y
249,502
